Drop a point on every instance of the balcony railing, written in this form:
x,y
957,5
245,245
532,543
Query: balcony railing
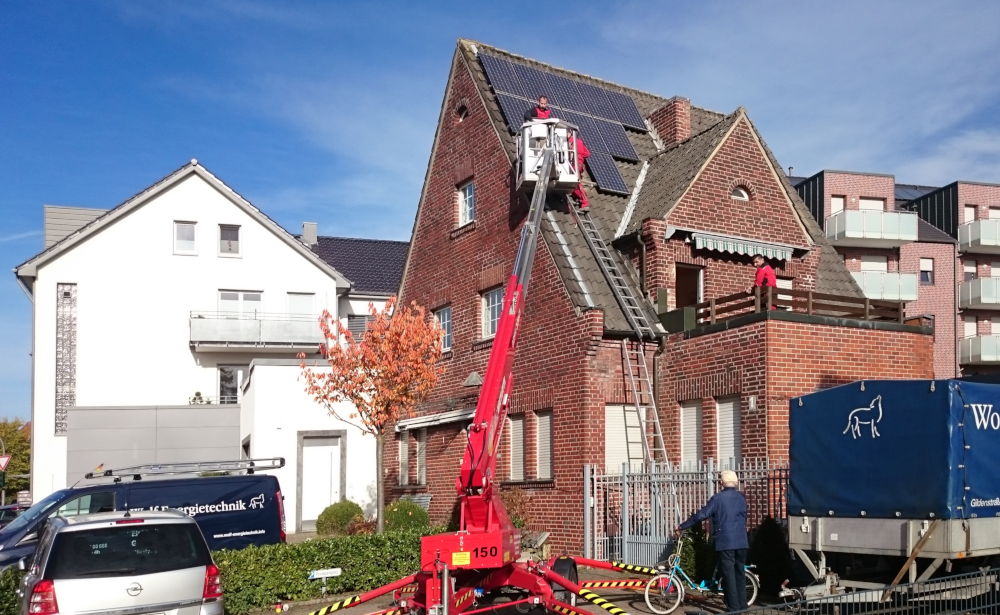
x,y
887,286
980,236
872,228
235,330
979,350
980,293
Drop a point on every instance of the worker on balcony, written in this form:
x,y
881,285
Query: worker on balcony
x,y
728,511
764,277
540,111
582,153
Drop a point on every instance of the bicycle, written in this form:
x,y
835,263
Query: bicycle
x,y
665,591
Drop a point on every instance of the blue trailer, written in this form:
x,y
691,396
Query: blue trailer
x,y
895,468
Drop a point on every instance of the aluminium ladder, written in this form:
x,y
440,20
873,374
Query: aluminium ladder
x,y
643,435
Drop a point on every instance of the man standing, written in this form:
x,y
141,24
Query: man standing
x,y
540,111
728,511
765,273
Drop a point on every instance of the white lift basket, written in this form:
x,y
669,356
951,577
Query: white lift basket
x,y
532,140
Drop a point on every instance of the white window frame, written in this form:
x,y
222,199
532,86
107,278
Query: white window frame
x,y
467,203
691,420
183,250
871,204
301,298
731,450
543,444
835,200
970,325
926,267
970,270
875,262
242,303
420,439
492,307
241,375
995,269
443,318
994,213
968,214
226,245
515,435
404,457
740,193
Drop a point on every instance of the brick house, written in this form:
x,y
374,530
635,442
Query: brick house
x,y
702,194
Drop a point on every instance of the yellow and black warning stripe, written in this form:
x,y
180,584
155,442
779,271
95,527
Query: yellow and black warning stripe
x,y
634,568
336,606
409,589
596,599
628,583
565,610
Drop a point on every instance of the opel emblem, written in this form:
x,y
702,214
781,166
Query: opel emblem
x,y
134,589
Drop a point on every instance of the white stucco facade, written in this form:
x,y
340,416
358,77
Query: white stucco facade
x,y
141,311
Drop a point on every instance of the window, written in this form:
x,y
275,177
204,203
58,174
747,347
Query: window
x,y
926,271
231,379
836,204
515,426
443,318
102,501
543,445
728,430
621,430
357,324
970,214
466,203
994,325
875,262
969,325
404,457
994,213
229,239
302,304
866,204
740,194
995,269
492,306
691,434
184,238
240,303
969,270
421,442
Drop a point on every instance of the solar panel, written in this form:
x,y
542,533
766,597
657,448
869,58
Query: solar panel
x,y
616,140
513,109
597,101
500,72
625,110
566,93
602,168
532,81
588,129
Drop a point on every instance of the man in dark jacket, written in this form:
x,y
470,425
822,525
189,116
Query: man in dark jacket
x,y
540,111
728,511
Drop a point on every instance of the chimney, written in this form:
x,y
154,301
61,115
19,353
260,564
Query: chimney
x,y
673,121
309,234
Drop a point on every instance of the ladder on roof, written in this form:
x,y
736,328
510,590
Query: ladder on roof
x,y
643,434
154,469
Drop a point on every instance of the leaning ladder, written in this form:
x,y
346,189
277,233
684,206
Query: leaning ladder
x,y
643,435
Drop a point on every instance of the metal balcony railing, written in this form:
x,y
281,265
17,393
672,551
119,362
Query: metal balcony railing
x,y
258,329
887,286
872,228
980,293
980,236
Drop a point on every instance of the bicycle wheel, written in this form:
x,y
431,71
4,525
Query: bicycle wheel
x,y
664,593
753,587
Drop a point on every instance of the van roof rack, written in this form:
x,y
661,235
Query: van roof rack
x,y
154,469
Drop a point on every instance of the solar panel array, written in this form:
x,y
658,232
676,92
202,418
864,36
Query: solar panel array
x,y
599,113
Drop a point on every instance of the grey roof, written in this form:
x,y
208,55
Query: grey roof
x,y
928,233
374,266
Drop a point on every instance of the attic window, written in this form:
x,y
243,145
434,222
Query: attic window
x,y
740,194
461,112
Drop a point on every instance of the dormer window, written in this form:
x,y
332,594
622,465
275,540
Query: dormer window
x,y
740,193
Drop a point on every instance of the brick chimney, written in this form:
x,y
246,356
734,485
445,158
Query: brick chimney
x,y
309,234
673,121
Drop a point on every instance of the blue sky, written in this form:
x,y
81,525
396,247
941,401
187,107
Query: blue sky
x,y
325,111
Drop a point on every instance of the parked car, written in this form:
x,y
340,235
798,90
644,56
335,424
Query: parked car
x,y
121,562
232,511
9,512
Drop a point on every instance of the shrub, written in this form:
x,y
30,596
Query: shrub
x,y
404,514
10,578
517,502
335,518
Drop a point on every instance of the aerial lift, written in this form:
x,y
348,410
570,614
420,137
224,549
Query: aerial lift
x,y
460,571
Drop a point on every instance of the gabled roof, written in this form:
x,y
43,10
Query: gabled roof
x,y
375,266
28,269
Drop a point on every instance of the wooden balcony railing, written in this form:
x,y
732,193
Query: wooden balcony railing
x,y
804,301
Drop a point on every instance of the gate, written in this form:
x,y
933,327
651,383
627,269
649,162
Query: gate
x,y
630,517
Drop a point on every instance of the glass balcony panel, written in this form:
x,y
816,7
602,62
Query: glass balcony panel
x,y
980,236
260,329
887,286
980,350
872,228
981,293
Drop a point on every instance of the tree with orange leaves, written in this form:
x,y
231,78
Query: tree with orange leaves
x,y
384,375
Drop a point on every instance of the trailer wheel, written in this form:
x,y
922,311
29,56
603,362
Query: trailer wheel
x,y
565,567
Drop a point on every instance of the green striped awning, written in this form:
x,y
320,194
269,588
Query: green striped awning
x,y
741,245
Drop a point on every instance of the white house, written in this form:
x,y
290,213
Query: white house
x,y
148,320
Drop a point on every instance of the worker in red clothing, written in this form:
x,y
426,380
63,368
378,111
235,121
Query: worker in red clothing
x,y
764,277
540,111
582,153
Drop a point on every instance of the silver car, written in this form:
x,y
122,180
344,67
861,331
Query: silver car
x,y
118,563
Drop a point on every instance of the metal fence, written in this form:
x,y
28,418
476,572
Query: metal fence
x,y
630,516
976,592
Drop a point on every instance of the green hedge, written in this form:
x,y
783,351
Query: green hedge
x,y
258,577
10,577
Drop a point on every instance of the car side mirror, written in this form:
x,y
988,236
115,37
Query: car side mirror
x,y
29,537
22,564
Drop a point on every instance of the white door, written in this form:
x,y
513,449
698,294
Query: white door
x,y
320,477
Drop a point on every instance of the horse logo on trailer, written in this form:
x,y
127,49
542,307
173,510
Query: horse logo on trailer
x,y
869,416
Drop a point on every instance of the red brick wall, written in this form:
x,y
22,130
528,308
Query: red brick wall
x,y
854,186
983,196
937,299
673,121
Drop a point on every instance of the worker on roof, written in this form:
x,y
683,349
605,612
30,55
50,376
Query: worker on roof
x,y
540,111
582,153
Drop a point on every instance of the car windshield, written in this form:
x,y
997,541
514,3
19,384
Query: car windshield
x,y
125,550
38,510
